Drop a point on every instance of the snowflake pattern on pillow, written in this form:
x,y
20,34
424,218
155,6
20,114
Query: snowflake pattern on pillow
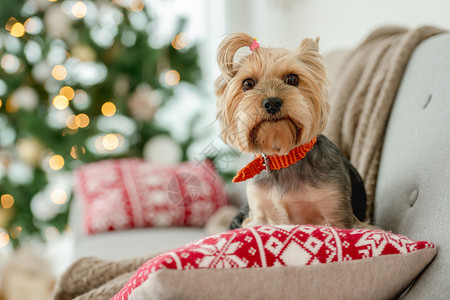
x,y
128,193
269,246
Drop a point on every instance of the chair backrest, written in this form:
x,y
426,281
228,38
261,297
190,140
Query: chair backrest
x,y
413,187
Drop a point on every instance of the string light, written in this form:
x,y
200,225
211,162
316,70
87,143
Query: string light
x,y
58,196
31,26
11,106
51,233
110,142
17,30
16,231
56,162
4,239
136,5
108,109
10,23
120,139
79,10
81,100
60,102
76,150
83,119
72,122
180,41
7,201
59,72
172,77
99,145
67,92
10,63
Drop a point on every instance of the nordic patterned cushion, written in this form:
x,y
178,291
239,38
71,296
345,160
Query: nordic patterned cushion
x,y
260,262
127,193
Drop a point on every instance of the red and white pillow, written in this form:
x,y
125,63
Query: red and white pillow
x,y
128,193
319,261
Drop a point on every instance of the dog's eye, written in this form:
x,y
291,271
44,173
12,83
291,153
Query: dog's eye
x,y
248,84
292,79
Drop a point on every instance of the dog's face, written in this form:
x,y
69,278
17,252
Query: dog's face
x,y
272,100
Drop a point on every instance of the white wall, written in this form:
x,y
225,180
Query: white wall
x,y
339,23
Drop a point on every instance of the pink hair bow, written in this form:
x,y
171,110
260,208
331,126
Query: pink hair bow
x,y
254,45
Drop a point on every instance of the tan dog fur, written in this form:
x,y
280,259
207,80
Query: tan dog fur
x,y
302,116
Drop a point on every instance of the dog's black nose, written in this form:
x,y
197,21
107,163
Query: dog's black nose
x,y
272,105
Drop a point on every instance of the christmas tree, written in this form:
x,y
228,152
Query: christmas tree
x,y
80,81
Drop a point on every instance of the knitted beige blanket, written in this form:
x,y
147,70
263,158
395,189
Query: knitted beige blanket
x,y
364,85
92,278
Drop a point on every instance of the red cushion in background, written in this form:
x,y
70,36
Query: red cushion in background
x,y
128,193
271,246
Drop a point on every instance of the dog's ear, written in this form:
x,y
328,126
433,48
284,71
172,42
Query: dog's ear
x,y
220,85
308,51
227,50
308,44
317,82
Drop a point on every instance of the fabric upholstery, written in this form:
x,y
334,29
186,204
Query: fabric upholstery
x,y
413,189
115,245
136,242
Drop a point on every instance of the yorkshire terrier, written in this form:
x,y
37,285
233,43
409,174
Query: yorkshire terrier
x,y
274,103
